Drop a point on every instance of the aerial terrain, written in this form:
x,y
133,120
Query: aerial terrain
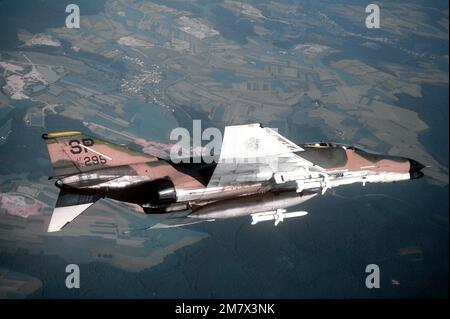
x,y
135,70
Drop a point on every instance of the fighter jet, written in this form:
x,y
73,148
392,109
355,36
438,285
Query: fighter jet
x,y
258,173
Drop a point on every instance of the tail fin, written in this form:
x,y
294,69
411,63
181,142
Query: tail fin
x,y
74,153
69,205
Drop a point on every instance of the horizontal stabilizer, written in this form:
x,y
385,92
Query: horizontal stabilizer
x,y
69,206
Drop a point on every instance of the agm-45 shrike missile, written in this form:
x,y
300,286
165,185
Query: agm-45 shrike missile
x,y
257,173
277,215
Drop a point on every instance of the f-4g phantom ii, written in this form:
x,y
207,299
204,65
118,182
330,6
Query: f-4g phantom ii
x,y
258,173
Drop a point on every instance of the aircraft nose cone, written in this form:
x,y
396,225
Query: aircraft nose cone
x,y
415,169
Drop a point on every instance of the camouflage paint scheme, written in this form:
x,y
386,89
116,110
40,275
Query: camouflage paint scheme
x,y
89,168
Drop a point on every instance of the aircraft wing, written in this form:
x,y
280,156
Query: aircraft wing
x,y
253,153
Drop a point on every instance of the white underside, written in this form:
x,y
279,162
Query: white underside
x,y
64,215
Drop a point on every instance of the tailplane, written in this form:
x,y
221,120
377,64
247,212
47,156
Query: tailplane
x,y
70,204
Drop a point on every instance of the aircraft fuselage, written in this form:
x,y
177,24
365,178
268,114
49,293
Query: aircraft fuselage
x,y
160,186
